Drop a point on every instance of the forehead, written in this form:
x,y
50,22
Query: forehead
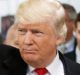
x,y
39,26
35,25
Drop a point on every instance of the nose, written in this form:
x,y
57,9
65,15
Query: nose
x,y
28,39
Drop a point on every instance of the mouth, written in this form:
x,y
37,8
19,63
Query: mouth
x,y
30,51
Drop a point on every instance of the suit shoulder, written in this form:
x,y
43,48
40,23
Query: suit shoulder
x,y
70,66
6,51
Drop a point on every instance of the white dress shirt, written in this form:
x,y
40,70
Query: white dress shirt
x,y
77,55
67,47
55,68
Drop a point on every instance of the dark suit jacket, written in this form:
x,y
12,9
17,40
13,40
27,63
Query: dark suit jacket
x,y
72,55
12,64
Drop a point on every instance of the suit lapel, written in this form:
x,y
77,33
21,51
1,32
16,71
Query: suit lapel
x,y
74,51
65,62
72,55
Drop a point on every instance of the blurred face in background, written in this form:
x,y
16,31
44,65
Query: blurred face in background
x,y
78,34
11,37
70,26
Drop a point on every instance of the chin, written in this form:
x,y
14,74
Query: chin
x,y
30,57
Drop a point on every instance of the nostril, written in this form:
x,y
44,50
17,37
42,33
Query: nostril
x,y
29,44
28,41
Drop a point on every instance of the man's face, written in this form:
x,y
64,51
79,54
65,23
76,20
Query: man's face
x,y
78,34
37,42
70,26
69,22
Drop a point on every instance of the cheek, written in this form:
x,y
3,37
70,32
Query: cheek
x,y
47,49
20,40
47,44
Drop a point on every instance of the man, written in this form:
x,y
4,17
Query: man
x,y
70,17
41,27
75,54
11,36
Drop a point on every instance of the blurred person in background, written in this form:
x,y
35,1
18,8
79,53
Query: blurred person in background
x,y
70,17
41,27
75,54
6,22
11,36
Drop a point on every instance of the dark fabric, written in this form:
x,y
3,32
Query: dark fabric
x,y
72,55
1,39
70,67
11,63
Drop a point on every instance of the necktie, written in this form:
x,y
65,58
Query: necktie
x,y
41,71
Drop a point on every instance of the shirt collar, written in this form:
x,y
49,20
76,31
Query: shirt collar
x,y
70,45
54,67
31,69
77,55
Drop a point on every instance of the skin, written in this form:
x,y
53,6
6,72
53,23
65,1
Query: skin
x,y
78,34
70,26
37,43
11,38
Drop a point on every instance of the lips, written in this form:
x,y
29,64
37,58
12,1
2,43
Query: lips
x,y
29,50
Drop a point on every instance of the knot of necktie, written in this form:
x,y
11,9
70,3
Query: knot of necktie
x,y
41,71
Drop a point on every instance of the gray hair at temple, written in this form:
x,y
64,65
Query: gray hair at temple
x,y
71,11
51,11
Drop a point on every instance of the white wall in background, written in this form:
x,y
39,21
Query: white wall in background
x,y
75,3
8,7
3,7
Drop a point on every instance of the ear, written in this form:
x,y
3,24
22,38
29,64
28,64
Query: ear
x,y
60,40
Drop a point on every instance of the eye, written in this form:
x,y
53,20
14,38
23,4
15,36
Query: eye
x,y
37,32
22,31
